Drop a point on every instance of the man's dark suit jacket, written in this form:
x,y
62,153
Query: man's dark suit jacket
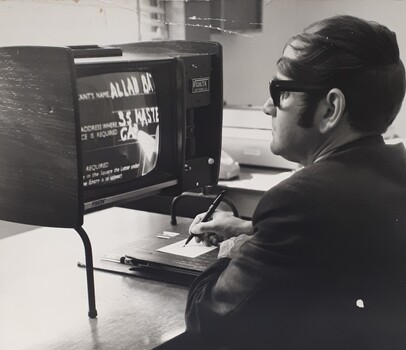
x,y
326,266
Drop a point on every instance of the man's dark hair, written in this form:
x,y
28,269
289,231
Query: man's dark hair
x,y
359,57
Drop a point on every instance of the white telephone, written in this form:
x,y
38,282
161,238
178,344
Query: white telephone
x,y
229,168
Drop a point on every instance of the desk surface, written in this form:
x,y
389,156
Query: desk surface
x,y
43,295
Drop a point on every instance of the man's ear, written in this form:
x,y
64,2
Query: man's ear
x,y
334,110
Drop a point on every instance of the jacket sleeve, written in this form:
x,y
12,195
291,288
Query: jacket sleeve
x,y
231,295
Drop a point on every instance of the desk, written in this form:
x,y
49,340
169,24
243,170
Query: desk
x,y
43,296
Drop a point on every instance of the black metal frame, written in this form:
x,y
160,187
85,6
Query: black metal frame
x,y
89,272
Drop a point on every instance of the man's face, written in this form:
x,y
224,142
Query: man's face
x,y
290,140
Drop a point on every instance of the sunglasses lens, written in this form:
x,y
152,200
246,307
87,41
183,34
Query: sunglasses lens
x,y
275,93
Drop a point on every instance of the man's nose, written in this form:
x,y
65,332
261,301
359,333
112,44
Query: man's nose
x,y
269,108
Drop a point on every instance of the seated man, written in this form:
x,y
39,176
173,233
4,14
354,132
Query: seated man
x,y
323,263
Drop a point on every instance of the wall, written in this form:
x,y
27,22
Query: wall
x,y
68,22
249,61
249,58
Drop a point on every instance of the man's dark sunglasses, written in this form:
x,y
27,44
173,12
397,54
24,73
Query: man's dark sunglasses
x,y
276,86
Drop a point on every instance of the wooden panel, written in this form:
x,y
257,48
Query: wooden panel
x,y
38,142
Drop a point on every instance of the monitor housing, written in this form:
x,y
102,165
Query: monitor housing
x,y
86,128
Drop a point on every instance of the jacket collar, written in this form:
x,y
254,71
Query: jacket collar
x,y
370,140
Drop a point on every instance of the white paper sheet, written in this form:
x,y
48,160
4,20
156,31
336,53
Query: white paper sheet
x,y
192,249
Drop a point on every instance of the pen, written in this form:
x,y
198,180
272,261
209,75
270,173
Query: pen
x,y
209,212
122,260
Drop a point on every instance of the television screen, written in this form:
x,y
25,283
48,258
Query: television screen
x,y
143,124
119,121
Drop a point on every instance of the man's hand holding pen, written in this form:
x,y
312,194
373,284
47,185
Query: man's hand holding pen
x,y
207,216
222,226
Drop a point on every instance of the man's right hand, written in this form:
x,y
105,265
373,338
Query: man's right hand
x,y
222,226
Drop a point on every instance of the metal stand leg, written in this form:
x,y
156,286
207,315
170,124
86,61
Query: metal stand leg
x,y
89,272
